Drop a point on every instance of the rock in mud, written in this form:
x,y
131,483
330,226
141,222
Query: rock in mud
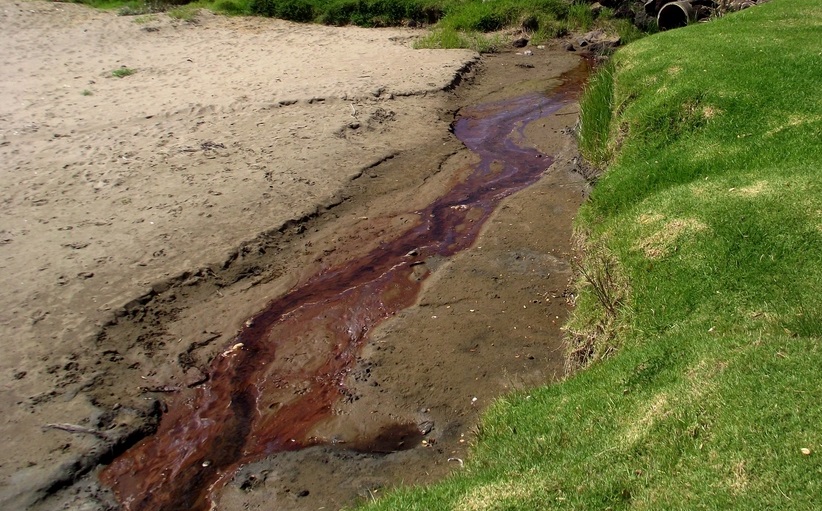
x,y
598,42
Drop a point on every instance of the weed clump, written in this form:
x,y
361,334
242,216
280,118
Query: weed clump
x,y
122,72
448,38
187,13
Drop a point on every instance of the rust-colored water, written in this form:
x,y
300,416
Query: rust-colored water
x,y
286,369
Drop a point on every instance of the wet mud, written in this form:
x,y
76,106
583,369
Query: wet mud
x,y
394,317
287,368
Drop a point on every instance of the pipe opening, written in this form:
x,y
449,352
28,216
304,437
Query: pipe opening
x,y
675,15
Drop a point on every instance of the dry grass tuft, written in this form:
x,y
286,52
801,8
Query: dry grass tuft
x,y
709,112
599,275
739,478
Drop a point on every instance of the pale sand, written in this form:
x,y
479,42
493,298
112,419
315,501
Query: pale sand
x,y
229,128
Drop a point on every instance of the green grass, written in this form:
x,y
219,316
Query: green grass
x,y
707,386
540,19
449,38
122,72
145,19
581,16
187,13
596,112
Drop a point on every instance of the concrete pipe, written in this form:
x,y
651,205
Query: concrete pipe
x,y
675,15
652,7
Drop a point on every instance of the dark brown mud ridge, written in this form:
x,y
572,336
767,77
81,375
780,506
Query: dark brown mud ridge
x,y
287,368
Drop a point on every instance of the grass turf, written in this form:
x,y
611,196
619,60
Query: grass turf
x,y
711,211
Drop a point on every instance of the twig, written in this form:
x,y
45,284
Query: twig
x,y
74,428
782,492
606,450
160,388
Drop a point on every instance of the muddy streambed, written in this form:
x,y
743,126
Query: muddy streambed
x,y
391,321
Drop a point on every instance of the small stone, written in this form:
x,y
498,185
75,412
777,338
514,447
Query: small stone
x,y
522,42
426,427
161,287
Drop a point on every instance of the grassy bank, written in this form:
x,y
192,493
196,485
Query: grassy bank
x,y
456,23
709,222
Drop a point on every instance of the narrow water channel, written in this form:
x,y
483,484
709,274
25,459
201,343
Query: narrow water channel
x,y
287,367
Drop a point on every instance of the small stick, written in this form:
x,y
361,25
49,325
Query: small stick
x,y
74,428
160,388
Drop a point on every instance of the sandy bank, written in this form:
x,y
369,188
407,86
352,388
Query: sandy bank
x,y
229,128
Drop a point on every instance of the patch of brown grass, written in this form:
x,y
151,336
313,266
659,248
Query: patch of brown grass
x,y
794,121
664,241
739,478
755,189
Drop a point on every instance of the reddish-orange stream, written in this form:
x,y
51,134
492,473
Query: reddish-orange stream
x,y
286,369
